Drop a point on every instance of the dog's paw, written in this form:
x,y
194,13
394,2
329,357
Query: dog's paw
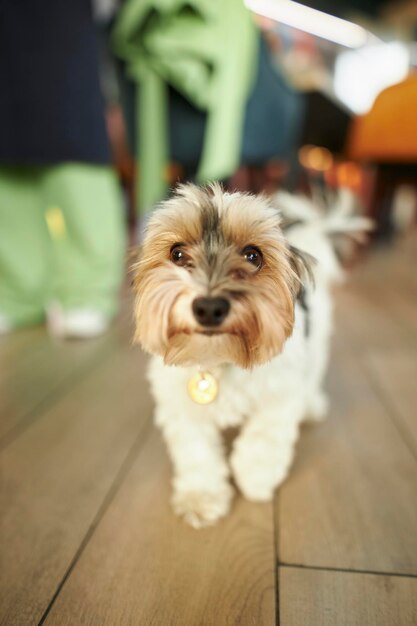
x,y
257,479
257,486
318,407
202,507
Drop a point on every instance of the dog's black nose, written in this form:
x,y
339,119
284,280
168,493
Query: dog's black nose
x,y
210,311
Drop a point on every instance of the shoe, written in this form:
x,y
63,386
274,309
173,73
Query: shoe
x,y
5,325
75,323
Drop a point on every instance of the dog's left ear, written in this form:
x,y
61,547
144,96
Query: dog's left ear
x,y
302,263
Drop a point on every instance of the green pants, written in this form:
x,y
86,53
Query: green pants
x,y
62,239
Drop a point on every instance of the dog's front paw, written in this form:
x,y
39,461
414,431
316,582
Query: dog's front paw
x,y
257,487
257,478
202,507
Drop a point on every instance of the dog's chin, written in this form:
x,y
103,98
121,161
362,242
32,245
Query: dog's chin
x,y
207,348
188,348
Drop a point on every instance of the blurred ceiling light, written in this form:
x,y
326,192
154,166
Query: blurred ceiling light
x,y
312,21
315,158
360,75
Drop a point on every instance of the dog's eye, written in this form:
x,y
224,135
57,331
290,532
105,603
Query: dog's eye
x,y
179,256
253,256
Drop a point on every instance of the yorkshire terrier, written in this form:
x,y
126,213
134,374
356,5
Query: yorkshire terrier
x,y
238,319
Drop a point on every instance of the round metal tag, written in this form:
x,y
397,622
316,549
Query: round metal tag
x,y
203,388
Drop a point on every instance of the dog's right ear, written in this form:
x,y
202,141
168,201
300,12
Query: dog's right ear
x,y
302,263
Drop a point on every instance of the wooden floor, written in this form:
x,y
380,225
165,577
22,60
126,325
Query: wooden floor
x,y
87,535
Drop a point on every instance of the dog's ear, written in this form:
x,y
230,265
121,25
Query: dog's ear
x,y
302,263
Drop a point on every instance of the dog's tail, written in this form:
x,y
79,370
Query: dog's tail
x,y
323,226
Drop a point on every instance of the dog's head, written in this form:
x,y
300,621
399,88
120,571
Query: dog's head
x,y
216,280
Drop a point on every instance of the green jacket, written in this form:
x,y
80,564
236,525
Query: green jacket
x,y
205,49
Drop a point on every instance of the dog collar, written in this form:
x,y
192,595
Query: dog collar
x,y
203,387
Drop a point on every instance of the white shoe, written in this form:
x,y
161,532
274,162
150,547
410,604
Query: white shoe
x,y
5,325
75,323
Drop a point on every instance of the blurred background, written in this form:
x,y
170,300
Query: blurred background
x,y
104,108
318,94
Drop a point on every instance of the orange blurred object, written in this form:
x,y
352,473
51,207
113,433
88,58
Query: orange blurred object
x,y
349,175
388,133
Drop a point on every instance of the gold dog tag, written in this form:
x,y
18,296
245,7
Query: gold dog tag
x,y
203,388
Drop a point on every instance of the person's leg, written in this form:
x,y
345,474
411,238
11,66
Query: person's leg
x,y
24,248
86,222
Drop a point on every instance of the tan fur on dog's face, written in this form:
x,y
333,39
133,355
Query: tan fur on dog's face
x,y
214,228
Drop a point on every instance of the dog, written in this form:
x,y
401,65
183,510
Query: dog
x,y
237,315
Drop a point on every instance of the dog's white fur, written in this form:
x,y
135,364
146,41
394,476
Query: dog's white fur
x,y
268,402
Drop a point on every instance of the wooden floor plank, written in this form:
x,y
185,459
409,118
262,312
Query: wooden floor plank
x,y
394,267
56,475
387,283
350,501
394,302
41,367
16,345
396,376
145,567
369,324
328,598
